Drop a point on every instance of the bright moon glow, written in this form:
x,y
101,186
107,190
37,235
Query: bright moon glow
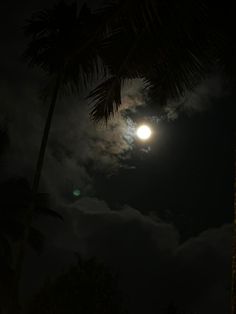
x,y
144,132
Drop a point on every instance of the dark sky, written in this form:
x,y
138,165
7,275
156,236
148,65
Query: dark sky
x,y
160,213
187,176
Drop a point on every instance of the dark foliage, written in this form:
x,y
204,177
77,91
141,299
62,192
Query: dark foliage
x,y
88,288
171,45
60,44
15,198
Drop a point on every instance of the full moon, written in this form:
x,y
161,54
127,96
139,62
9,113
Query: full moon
x,y
144,132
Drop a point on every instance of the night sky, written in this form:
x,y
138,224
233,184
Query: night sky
x,y
160,213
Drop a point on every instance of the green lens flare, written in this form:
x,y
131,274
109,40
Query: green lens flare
x,y
76,192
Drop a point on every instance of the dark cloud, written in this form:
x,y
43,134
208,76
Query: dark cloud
x,y
198,100
205,262
153,267
77,147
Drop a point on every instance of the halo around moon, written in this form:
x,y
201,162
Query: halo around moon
x,y
144,132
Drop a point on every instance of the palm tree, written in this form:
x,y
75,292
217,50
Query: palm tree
x,y
60,45
167,44
56,46
163,48
170,45
15,196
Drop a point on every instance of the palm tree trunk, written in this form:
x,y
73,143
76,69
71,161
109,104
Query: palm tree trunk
x,y
44,141
29,212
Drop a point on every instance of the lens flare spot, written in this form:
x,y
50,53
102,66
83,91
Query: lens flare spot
x,y
76,192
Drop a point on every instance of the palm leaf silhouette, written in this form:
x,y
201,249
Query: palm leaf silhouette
x,y
106,98
167,44
57,36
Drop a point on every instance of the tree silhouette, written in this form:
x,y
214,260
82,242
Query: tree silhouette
x,y
15,197
167,44
88,287
57,46
171,46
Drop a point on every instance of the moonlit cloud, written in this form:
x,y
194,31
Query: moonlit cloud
x,y
198,100
76,145
144,249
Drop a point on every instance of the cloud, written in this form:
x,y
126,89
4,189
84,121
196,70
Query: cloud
x,y
154,267
203,269
198,100
77,148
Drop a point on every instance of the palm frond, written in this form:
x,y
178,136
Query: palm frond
x,y
170,44
50,213
60,43
172,55
106,99
134,15
42,206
